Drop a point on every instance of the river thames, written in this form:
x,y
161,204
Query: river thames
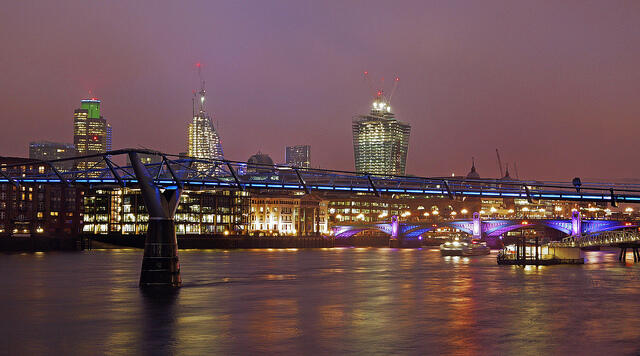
x,y
318,301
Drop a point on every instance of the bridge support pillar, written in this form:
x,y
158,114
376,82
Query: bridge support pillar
x,y
160,265
394,241
477,226
576,224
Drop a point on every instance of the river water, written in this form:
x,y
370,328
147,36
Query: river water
x,y
318,301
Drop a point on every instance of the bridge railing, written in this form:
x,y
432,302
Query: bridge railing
x,y
606,238
169,169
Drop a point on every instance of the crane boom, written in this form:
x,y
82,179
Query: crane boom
x,y
499,163
393,90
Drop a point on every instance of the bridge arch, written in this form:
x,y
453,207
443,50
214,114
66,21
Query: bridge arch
x,y
348,231
490,228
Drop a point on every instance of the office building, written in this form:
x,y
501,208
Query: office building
x,y
91,134
45,151
298,156
121,211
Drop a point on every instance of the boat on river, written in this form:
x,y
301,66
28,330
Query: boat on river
x,y
471,247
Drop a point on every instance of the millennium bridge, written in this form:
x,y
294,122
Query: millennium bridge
x,y
162,183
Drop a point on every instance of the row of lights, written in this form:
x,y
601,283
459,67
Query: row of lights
x,y
465,211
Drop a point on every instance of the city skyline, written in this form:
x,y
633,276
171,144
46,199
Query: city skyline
x,y
489,80
472,188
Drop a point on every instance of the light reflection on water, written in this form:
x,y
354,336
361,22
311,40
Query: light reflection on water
x,y
325,301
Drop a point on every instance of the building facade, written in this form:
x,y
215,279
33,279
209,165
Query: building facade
x,y
288,215
211,212
91,134
53,210
365,208
298,156
380,142
45,150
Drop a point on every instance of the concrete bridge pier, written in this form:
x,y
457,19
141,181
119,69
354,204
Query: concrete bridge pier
x,y
160,265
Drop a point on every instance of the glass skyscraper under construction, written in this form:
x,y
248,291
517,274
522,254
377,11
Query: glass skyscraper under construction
x,y
380,142
204,141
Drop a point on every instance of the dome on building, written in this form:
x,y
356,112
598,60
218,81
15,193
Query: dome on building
x,y
259,159
472,173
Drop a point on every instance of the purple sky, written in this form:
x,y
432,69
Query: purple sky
x,y
555,85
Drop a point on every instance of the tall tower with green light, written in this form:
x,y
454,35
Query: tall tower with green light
x,y
91,133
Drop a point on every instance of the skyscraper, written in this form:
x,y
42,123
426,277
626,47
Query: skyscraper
x,y
380,142
298,156
204,141
45,150
91,133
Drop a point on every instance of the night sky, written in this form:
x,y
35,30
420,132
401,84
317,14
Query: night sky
x,y
555,85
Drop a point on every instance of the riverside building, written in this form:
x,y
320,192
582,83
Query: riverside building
x,y
53,210
211,212
288,215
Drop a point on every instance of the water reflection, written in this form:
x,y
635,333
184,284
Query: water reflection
x,y
159,318
328,301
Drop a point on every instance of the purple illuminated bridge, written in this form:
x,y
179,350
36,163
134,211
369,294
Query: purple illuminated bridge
x,y
478,228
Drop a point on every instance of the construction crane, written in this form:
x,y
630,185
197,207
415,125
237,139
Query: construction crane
x,y
393,89
379,91
499,163
202,92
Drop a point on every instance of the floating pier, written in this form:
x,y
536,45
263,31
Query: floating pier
x,y
533,253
